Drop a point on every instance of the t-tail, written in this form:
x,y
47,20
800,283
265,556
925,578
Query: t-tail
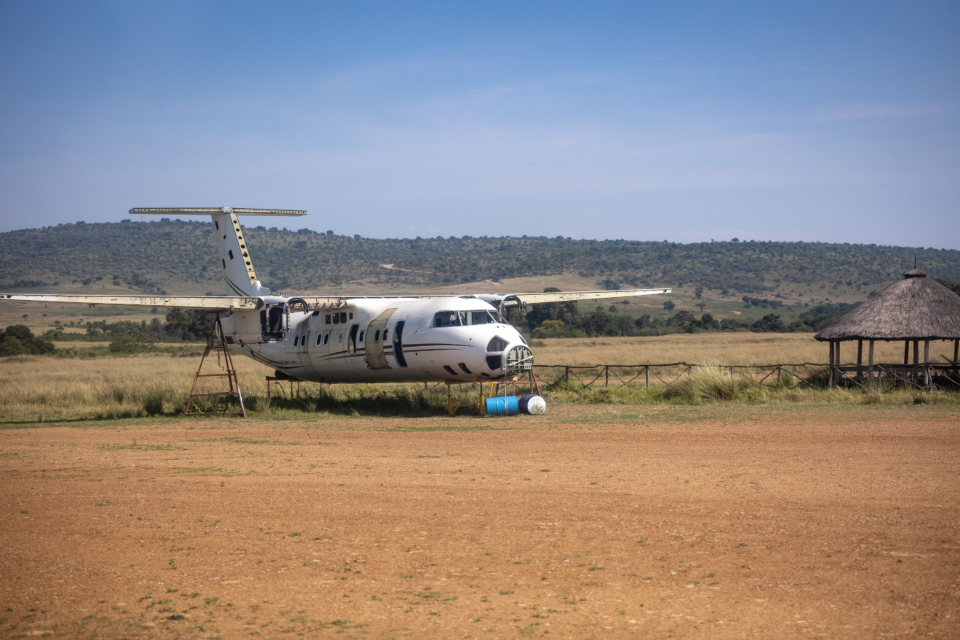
x,y
238,271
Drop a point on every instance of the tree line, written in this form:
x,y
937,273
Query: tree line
x,y
564,320
166,255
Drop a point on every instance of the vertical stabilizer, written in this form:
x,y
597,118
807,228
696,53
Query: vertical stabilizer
x,y
235,260
234,253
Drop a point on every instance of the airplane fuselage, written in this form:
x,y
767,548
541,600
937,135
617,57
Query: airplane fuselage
x,y
391,340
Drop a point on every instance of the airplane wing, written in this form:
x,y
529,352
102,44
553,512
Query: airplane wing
x,y
207,303
507,300
230,303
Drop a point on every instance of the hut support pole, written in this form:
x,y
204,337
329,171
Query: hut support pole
x,y
926,363
956,352
906,352
916,360
870,366
859,358
831,363
836,352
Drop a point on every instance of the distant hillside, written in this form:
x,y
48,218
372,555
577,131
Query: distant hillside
x,y
178,257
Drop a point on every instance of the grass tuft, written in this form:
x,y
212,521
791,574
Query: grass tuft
x,y
710,383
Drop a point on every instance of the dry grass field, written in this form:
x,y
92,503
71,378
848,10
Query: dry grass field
x,y
721,521
39,389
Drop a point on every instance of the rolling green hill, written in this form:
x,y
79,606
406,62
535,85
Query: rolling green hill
x,y
178,257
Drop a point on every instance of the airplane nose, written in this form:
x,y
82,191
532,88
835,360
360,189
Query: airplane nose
x,y
519,359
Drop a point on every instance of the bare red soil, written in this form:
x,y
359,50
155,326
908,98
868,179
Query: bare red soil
x,y
589,522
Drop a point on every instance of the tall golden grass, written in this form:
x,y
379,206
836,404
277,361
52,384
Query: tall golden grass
x,y
715,348
53,388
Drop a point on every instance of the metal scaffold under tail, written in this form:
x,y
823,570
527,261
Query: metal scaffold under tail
x,y
217,342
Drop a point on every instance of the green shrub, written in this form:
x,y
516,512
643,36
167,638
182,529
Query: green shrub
x,y
153,403
19,340
131,343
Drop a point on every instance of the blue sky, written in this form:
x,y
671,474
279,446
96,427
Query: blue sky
x,y
833,122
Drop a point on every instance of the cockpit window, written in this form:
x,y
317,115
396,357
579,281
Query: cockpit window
x,y
485,317
446,319
463,318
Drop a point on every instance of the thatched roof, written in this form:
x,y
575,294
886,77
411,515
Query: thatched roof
x,y
915,308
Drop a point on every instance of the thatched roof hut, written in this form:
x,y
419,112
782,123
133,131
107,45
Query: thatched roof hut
x,y
915,308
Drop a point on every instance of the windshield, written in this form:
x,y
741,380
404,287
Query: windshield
x,y
464,318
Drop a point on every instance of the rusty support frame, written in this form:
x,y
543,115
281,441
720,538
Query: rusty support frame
x,y
217,341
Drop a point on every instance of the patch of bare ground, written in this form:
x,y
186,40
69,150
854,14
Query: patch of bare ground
x,y
720,522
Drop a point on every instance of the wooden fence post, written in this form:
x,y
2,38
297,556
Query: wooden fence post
x,y
646,371
870,366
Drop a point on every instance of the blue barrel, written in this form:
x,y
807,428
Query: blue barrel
x,y
502,406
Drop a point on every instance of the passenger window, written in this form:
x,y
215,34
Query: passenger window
x,y
385,334
340,338
295,338
230,253
343,317
326,337
319,338
336,318
361,335
351,316
376,336
328,319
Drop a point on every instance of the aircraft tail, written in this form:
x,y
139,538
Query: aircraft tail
x,y
235,261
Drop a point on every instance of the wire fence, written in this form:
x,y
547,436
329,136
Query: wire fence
x,y
811,374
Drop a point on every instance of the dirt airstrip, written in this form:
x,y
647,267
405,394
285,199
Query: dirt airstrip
x,y
589,522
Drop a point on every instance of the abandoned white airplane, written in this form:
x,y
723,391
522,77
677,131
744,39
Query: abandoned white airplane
x,y
353,338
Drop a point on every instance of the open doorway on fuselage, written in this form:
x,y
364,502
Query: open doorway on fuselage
x,y
398,344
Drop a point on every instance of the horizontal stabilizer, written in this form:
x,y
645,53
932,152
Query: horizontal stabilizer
x,y
208,211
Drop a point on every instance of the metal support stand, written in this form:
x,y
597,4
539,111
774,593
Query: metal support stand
x,y
279,382
452,408
531,381
216,341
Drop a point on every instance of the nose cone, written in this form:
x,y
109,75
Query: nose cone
x,y
519,359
